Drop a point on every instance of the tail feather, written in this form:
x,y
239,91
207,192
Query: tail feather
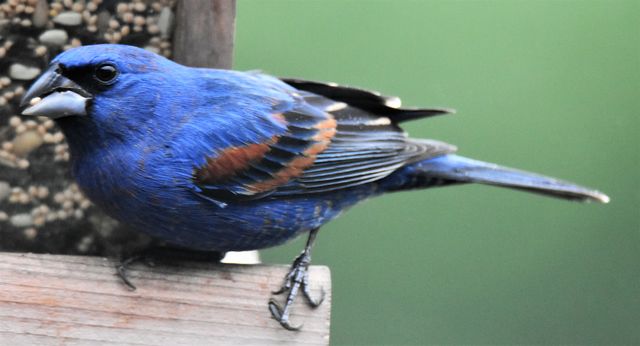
x,y
455,168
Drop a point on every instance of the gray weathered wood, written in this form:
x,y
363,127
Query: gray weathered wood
x,y
204,33
72,300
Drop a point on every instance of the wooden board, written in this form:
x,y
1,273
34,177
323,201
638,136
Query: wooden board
x,y
73,300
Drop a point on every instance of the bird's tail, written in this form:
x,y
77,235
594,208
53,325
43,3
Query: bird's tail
x,y
451,169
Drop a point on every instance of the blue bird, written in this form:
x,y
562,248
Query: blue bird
x,y
221,160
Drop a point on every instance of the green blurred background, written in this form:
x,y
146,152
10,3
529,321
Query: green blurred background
x,y
548,86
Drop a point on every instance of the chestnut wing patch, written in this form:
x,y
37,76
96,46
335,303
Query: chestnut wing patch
x,y
257,169
328,145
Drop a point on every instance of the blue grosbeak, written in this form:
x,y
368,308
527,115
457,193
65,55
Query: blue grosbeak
x,y
224,160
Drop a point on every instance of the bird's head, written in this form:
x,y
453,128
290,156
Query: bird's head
x,y
112,86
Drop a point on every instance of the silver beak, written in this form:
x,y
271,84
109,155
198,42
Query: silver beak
x,y
55,96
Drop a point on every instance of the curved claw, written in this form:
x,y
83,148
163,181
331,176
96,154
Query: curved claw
x,y
312,302
280,291
121,270
278,315
285,287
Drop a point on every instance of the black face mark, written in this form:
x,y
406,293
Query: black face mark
x,y
105,74
94,79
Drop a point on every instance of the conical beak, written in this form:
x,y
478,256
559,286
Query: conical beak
x,y
55,96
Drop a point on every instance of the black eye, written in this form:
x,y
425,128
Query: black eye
x,y
105,74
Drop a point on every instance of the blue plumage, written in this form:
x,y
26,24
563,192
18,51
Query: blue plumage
x,y
223,160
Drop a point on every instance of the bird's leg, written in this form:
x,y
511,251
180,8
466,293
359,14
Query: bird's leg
x,y
296,279
150,255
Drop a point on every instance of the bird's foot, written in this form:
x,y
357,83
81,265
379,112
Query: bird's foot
x,y
297,279
152,254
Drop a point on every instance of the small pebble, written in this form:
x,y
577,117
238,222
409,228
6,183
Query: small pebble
x,y
19,91
22,220
165,22
24,199
21,128
125,30
140,7
23,164
114,24
54,37
48,124
122,7
43,192
58,198
139,20
58,137
48,138
68,18
39,221
14,121
153,29
5,190
27,142
22,72
62,215
127,17
40,50
34,101
78,7
8,95
5,81
67,205
30,124
30,233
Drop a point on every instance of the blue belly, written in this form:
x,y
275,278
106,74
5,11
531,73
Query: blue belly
x,y
190,221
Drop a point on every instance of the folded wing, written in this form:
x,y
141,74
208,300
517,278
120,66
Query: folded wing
x,y
335,141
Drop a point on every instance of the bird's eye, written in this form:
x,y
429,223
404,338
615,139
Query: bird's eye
x,y
105,74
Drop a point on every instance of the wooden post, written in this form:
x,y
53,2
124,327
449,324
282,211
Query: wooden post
x,y
203,37
78,300
204,33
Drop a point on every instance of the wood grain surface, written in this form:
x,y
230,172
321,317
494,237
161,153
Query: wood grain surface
x,y
73,300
